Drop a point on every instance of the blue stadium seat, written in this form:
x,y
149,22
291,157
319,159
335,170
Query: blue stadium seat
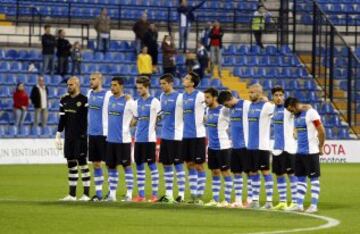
x,y
35,132
11,55
5,66
240,61
294,85
46,132
254,50
2,131
16,67
205,83
4,117
5,91
119,57
327,108
52,92
344,133
53,118
264,61
12,131
91,45
29,118
329,133
272,72
260,73
252,61
310,85
271,50
216,83
267,84
31,80
243,50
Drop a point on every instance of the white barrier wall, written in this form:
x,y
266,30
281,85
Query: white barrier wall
x,y
41,151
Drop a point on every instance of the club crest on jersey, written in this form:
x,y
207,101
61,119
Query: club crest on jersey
x,y
78,104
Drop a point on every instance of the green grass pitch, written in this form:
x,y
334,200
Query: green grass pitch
x,y
29,194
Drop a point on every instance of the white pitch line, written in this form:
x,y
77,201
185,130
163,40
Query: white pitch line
x,y
330,223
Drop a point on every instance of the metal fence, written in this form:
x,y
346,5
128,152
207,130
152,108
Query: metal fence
x,y
330,59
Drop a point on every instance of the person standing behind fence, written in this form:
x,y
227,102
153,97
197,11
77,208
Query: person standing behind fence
x,y
63,52
216,36
150,41
103,27
203,58
76,58
258,24
186,16
169,55
140,28
205,35
39,98
48,43
21,104
144,63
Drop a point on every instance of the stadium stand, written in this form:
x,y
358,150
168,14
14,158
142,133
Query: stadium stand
x,y
244,63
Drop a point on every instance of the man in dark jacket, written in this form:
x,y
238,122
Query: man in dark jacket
x,y
39,98
150,41
48,43
186,16
63,53
140,28
216,36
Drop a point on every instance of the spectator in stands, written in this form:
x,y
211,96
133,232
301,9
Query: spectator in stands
x,y
203,58
140,28
186,16
144,63
63,52
205,35
48,42
190,61
216,36
150,41
103,27
76,58
169,55
258,23
39,98
32,67
21,104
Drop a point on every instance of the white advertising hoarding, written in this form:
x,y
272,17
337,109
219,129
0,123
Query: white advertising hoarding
x,y
43,151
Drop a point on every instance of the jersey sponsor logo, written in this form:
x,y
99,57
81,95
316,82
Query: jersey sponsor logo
x,y
70,111
235,119
188,111
93,107
278,121
253,119
115,113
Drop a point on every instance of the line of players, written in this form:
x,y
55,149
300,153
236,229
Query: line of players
x,y
186,119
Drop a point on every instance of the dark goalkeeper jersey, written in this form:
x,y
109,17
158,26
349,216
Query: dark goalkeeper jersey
x,y
73,116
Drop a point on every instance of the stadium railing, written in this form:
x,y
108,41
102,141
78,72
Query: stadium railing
x,y
337,72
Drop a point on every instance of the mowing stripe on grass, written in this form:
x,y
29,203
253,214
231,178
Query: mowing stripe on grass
x,y
330,223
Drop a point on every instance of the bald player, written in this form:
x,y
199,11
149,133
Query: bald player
x,y
73,120
259,121
98,99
